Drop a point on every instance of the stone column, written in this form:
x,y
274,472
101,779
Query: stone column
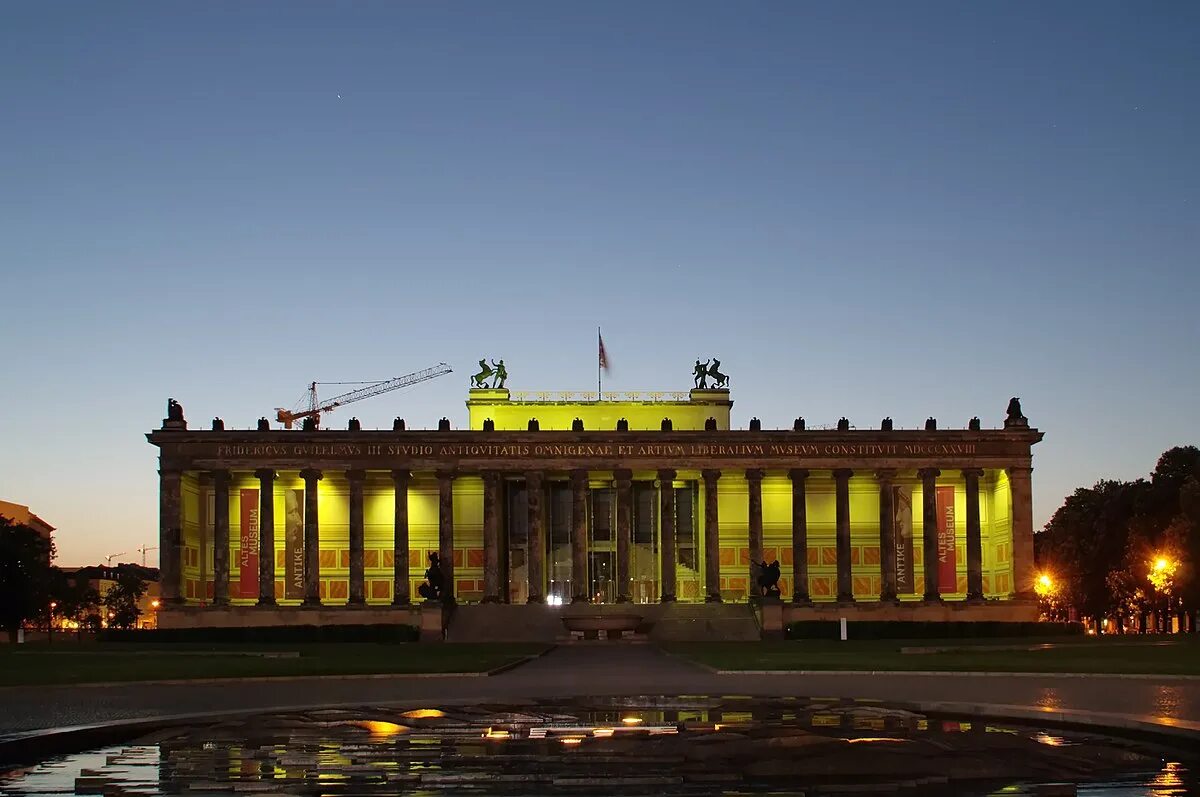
x,y
974,536
266,536
929,535
666,548
623,481
220,480
312,538
887,536
712,538
1020,486
799,537
534,488
446,531
401,591
491,537
580,589
754,489
845,575
358,581
170,534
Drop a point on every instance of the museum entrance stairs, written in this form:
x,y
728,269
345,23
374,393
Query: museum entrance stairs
x,y
669,622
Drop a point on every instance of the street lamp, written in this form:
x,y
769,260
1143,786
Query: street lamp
x,y
1161,575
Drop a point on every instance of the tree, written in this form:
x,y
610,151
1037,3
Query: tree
x,y
1086,539
122,598
77,601
26,576
1103,543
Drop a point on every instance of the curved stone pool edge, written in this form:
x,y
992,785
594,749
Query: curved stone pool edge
x,y
30,747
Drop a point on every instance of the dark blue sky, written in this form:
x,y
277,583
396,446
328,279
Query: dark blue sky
x,y
863,209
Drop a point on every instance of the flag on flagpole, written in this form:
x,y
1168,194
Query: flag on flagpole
x,y
603,353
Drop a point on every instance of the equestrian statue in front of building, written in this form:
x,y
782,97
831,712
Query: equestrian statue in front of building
x,y
710,369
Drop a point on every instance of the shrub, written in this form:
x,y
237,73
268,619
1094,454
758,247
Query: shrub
x,y
278,634
906,629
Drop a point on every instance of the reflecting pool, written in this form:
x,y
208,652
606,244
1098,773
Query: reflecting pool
x,y
661,746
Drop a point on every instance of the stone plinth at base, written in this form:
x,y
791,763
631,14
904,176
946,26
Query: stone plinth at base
x,y
262,616
771,613
1008,611
434,619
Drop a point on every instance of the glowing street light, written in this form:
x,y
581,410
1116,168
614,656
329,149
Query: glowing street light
x,y
1044,585
1162,573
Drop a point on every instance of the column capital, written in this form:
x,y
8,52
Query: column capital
x,y
401,476
491,478
219,475
534,479
266,473
579,478
843,473
798,474
356,475
754,474
666,475
929,473
446,475
622,478
885,475
710,476
1019,470
170,472
311,474
972,472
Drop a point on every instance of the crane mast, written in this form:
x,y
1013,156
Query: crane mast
x,y
288,417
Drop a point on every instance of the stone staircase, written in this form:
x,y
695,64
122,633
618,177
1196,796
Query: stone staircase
x,y
671,622
705,622
501,622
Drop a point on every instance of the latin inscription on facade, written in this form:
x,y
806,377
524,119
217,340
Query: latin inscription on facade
x,y
596,451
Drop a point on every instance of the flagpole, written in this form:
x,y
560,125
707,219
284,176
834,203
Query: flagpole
x,y
599,387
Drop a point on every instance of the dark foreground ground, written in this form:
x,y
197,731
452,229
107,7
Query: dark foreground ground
x,y
594,669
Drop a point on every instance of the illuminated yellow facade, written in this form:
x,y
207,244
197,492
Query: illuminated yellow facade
x,y
596,498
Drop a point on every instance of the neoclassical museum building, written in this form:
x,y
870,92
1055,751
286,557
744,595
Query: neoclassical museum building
x,y
561,499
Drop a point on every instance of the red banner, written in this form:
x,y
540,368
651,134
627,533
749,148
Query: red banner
x,y
248,551
947,570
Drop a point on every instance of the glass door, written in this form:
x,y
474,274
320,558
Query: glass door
x,y
644,569
558,542
602,546
517,528
687,547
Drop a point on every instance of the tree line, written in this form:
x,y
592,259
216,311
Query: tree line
x,y
34,593
1127,551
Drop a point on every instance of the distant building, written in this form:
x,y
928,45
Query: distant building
x,y
19,513
102,577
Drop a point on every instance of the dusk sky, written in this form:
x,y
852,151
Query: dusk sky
x,y
863,209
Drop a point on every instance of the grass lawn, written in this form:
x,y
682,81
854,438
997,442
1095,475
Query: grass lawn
x,y
1132,654
75,663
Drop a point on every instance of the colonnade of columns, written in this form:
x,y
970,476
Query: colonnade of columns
x,y
171,542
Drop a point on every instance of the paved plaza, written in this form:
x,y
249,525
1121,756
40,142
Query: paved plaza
x,y
601,669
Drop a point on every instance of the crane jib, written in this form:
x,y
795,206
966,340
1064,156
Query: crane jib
x,y
365,392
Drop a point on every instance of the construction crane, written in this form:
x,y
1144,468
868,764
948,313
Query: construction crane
x,y
143,548
316,407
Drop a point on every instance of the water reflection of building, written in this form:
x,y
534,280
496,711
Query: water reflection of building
x,y
615,498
